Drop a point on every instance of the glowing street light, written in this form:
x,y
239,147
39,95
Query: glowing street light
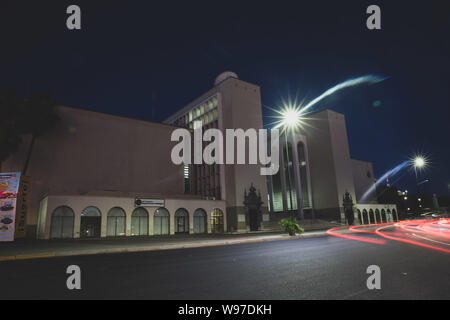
x,y
419,162
291,118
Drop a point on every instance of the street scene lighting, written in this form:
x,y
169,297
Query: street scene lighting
x,y
419,162
291,118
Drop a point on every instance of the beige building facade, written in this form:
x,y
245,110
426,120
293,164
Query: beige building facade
x,y
87,173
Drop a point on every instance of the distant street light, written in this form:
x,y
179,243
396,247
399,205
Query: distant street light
x,y
418,163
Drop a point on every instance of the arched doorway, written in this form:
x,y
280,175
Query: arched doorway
x,y
365,216
217,221
394,214
383,215
62,223
200,221
139,222
389,216
378,215
359,217
116,222
181,221
372,216
161,222
91,223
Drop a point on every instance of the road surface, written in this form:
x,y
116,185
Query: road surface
x,y
316,268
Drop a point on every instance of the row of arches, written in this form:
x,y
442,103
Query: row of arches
x,y
63,218
377,216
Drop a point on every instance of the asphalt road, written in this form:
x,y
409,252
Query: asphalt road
x,y
315,268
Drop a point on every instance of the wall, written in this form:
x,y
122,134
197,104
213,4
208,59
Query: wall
x,y
95,151
330,165
363,179
241,108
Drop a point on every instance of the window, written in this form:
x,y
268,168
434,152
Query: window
x,y
161,222
217,223
139,222
62,223
303,174
181,221
91,222
116,222
200,221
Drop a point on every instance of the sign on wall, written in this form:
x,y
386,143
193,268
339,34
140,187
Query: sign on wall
x,y
9,189
146,202
22,207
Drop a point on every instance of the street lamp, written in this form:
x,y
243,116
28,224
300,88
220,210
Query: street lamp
x,y
418,163
290,120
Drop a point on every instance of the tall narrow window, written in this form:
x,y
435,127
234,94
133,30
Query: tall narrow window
x,y
303,174
291,192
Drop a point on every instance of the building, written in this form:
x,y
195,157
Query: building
x,y
103,175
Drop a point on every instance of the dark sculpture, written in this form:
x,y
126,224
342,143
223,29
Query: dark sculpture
x,y
253,203
348,208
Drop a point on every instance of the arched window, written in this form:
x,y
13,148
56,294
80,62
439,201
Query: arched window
x,y
372,217
217,224
360,217
139,222
365,216
200,221
389,216
91,222
116,222
62,223
378,215
161,221
303,174
394,214
383,215
181,221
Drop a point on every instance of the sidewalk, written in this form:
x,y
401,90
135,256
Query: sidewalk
x,y
31,249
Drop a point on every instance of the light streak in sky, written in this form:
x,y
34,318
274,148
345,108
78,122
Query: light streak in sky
x,y
300,111
390,173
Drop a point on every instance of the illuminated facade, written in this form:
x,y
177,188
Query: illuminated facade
x,y
88,173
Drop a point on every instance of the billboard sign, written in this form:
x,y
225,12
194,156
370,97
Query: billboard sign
x,y
9,189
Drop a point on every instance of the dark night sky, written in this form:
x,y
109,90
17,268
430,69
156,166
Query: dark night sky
x,y
141,59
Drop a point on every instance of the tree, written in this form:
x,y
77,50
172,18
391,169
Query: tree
x,y
9,129
38,116
32,115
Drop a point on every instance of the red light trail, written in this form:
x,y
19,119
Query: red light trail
x,y
428,233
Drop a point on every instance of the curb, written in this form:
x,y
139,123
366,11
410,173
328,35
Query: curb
x,y
155,248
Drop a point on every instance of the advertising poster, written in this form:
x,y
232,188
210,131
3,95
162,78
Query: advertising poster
x,y
9,188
